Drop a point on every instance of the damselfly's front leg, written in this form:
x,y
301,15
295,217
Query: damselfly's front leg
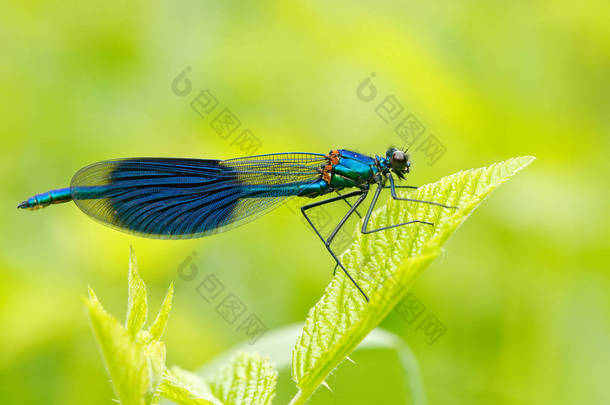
x,y
401,186
370,211
393,187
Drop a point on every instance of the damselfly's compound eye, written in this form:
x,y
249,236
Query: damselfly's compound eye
x,y
398,160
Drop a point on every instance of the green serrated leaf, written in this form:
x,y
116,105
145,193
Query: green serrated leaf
x,y
155,356
183,387
135,359
247,379
137,307
385,264
158,326
276,345
125,360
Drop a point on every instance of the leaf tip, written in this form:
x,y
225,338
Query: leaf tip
x,y
324,383
525,161
158,326
137,306
133,263
91,293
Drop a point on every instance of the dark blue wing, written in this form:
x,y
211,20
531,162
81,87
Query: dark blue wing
x,y
187,198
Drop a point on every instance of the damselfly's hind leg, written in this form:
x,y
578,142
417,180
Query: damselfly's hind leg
x,y
327,242
349,205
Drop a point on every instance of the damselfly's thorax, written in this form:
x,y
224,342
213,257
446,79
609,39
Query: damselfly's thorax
x,y
345,169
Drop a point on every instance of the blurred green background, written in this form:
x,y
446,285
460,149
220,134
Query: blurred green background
x,y
522,287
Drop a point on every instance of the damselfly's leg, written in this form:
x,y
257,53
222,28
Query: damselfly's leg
x,y
370,211
330,200
394,196
349,205
323,202
401,186
327,242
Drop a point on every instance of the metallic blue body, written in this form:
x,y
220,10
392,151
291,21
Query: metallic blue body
x,y
45,199
354,170
186,198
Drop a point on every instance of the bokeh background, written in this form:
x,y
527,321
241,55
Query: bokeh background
x,y
523,287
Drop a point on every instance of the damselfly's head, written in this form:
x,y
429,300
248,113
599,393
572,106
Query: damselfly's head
x,y
399,161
